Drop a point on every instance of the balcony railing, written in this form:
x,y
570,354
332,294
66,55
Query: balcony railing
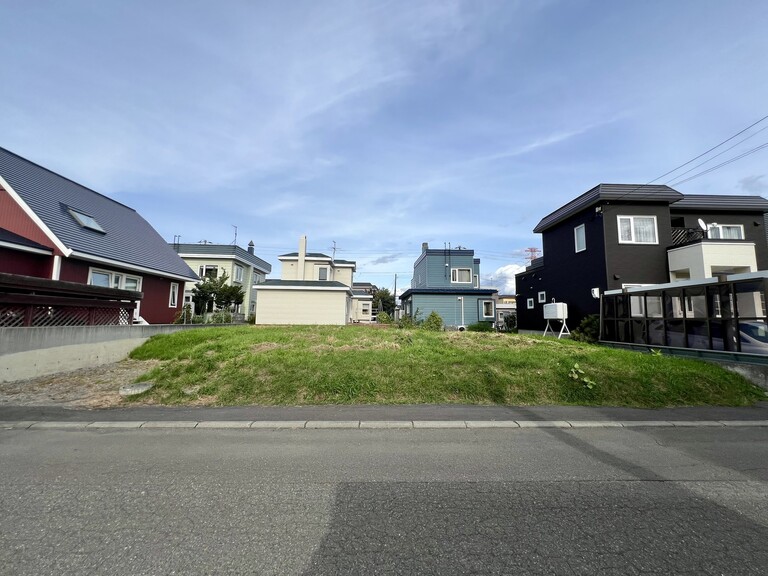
x,y
687,235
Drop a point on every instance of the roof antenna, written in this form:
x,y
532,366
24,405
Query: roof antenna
x,y
235,240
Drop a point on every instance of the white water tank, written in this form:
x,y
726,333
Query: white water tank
x,y
556,311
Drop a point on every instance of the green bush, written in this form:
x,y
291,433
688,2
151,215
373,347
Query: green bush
x,y
383,318
184,316
510,322
407,321
588,330
220,317
433,322
480,327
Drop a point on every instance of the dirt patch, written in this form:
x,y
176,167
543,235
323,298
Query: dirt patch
x,y
87,388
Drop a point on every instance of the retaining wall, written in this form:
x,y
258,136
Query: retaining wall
x,y
32,352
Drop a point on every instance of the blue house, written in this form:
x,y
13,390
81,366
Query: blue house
x,y
447,281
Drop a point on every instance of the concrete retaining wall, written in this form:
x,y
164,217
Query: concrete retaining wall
x,y
32,352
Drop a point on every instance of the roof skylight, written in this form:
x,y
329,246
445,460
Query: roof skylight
x,y
86,221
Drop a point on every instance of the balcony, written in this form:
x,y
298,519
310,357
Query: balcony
x,y
696,259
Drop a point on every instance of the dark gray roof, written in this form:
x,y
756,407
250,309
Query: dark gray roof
x,y
11,238
127,237
308,255
465,291
721,203
609,192
303,284
214,250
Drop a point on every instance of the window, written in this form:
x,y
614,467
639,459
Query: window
x,y
461,275
580,238
238,273
208,271
488,309
366,310
85,220
542,297
322,273
725,231
477,281
108,279
173,298
637,230
529,303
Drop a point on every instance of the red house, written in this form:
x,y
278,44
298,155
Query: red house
x,y
52,227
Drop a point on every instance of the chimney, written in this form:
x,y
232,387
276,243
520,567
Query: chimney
x,y
250,247
424,246
302,257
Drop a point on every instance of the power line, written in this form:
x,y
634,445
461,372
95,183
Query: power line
x,y
715,156
740,132
739,157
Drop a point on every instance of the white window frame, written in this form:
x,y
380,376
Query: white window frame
x,y
542,296
529,303
327,273
121,278
477,281
173,296
203,269
455,275
238,273
632,229
719,229
583,229
486,303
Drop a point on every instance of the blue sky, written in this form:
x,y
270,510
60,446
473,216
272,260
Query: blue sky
x,y
379,125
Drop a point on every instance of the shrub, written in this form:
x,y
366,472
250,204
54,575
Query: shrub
x,y
184,316
510,322
220,317
588,330
383,318
407,321
480,327
251,318
433,322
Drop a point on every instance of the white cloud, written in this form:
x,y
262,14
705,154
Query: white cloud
x,y
504,278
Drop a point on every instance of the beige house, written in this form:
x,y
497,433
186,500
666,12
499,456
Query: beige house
x,y
242,267
314,288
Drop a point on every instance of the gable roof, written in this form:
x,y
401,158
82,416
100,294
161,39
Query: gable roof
x,y
307,255
222,250
127,239
609,192
721,203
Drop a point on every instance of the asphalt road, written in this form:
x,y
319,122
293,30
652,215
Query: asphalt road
x,y
537,501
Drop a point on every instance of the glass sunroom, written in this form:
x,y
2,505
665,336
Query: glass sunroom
x,y
726,314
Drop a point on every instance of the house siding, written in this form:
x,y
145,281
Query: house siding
x,y
567,276
306,307
14,219
449,308
636,263
153,307
25,263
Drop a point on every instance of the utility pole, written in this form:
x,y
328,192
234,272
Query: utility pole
x,y
532,254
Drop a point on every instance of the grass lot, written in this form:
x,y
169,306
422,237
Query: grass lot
x,y
362,365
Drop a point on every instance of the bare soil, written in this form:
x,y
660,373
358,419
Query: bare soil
x,y
87,388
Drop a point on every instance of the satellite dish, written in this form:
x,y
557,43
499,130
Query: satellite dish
x,y
702,225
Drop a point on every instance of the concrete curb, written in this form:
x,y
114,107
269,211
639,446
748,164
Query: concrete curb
x,y
374,425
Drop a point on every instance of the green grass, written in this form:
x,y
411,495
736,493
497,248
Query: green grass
x,y
361,365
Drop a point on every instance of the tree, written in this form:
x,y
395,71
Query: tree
x,y
384,300
215,290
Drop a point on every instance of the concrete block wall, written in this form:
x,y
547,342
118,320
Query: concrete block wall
x,y
32,352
